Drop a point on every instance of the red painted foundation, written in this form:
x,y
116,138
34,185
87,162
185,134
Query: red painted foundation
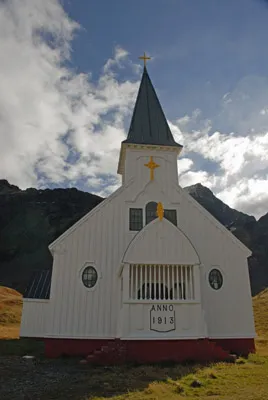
x,y
241,347
149,351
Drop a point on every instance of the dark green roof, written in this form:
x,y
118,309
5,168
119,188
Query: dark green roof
x,y
149,124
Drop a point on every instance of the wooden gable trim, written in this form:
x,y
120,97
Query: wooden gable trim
x,y
88,215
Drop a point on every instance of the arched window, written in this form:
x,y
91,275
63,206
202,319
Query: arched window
x,y
150,211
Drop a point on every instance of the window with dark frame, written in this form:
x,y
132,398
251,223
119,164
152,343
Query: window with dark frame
x,y
89,277
135,219
171,215
136,216
150,211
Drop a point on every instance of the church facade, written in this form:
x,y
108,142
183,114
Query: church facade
x,y
148,275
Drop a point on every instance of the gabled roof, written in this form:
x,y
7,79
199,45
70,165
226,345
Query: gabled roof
x,y
149,124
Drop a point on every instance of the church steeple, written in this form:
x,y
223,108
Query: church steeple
x,y
149,125
149,130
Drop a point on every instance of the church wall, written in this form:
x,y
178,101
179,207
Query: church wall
x,y
82,312
102,238
34,322
188,318
134,166
228,311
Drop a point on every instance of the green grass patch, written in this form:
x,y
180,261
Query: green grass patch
x,y
247,379
221,381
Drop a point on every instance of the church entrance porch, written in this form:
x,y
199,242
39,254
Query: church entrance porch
x,y
161,282
161,301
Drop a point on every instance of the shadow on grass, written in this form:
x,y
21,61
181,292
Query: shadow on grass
x,y
21,347
65,378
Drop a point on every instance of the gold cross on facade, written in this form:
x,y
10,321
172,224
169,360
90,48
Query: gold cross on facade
x,y
160,211
151,165
144,58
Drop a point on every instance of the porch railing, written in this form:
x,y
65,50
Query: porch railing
x,y
161,282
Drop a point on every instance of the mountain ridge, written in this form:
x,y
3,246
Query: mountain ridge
x,y
31,219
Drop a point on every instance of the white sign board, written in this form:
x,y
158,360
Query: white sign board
x,y
162,318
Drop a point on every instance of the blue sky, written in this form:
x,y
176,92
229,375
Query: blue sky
x,y
66,102
201,49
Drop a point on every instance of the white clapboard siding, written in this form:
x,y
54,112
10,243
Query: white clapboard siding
x,y
102,238
160,242
34,318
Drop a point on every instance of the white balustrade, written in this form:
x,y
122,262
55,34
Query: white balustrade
x,y
161,282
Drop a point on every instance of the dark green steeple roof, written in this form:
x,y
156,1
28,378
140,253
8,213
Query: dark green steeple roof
x,y
149,124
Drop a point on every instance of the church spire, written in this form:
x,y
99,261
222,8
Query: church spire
x,y
148,124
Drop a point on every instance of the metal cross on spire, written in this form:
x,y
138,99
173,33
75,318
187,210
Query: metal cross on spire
x,y
144,58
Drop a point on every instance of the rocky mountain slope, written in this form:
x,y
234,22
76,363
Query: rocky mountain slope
x,y
31,219
254,234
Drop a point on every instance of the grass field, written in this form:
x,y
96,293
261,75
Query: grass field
x,y
247,379
10,313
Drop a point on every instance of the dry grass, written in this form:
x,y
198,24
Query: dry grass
x,y
244,380
9,332
10,313
10,316
260,306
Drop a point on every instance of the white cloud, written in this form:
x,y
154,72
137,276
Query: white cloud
x,y
193,177
241,179
46,111
244,110
59,127
119,56
184,165
248,194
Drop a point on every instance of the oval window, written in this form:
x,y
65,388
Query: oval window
x,y
215,279
89,277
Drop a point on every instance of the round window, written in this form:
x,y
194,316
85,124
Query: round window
x,y
215,279
89,277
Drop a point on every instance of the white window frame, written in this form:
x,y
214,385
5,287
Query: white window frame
x,y
211,267
99,275
143,207
142,214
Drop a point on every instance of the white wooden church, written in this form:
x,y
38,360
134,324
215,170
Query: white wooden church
x,y
148,275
